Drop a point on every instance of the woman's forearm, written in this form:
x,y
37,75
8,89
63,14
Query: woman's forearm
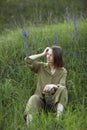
x,y
33,57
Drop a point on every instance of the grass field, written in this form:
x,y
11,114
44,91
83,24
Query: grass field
x,y
17,82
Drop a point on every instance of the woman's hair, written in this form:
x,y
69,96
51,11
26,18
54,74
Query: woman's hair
x,y
58,56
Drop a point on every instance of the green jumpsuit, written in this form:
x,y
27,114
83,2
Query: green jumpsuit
x,y
44,76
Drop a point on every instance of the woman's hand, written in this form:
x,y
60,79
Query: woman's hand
x,y
49,87
35,56
46,51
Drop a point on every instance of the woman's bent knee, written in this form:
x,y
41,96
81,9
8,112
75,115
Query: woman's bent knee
x,y
64,97
34,98
34,104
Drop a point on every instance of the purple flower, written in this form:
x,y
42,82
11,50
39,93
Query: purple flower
x,y
81,15
25,45
67,13
24,33
55,40
14,21
67,10
73,34
10,43
26,49
74,54
78,36
74,21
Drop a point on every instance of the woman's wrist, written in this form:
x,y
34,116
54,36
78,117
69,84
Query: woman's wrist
x,y
42,54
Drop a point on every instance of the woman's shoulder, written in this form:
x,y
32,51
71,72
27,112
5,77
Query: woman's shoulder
x,y
63,69
44,64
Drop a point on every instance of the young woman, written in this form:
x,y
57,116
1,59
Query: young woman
x,y
51,92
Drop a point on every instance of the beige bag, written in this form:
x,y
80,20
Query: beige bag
x,y
47,96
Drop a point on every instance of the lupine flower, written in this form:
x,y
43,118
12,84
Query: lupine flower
x,y
81,15
14,21
66,9
74,21
10,43
74,54
75,34
67,13
78,36
55,40
24,33
33,40
26,49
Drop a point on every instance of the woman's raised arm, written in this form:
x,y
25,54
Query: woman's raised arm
x,y
35,56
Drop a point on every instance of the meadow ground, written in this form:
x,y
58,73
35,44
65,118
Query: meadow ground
x,y
17,82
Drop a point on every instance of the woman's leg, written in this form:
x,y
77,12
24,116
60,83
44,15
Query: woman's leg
x,y
34,105
63,99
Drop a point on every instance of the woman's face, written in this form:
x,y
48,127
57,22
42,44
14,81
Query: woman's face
x,y
50,59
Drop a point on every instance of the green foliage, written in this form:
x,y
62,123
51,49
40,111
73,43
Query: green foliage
x,y
17,82
38,11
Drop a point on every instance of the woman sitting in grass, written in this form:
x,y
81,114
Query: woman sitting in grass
x,y
51,92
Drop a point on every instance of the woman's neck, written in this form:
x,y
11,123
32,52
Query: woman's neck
x,y
52,68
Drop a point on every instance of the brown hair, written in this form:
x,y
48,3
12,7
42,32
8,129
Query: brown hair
x,y
57,55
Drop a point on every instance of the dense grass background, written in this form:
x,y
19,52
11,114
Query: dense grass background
x,y
37,12
17,82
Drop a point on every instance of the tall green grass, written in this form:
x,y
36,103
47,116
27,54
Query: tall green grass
x,y
17,82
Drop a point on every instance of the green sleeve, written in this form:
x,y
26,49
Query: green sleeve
x,y
33,65
63,78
